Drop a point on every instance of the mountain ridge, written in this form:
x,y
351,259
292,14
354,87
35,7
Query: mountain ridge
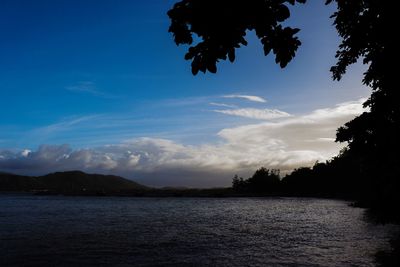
x,y
69,182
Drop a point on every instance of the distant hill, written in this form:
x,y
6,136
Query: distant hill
x,y
71,182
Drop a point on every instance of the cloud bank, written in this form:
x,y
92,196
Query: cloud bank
x,y
286,143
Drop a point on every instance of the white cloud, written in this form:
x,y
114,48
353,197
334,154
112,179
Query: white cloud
x,y
254,113
342,109
25,152
285,144
222,105
247,97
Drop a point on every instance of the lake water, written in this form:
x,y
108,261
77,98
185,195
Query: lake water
x,y
59,231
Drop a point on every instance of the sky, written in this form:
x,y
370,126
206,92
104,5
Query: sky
x,y
100,86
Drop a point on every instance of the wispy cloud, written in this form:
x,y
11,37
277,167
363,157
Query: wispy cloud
x,y
253,98
254,113
63,125
67,128
285,144
89,88
222,105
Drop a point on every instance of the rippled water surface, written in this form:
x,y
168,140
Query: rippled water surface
x,y
38,230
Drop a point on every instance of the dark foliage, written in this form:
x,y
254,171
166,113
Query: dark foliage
x,y
336,178
366,28
263,181
221,27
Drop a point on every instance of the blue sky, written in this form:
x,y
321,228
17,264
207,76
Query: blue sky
x,y
96,73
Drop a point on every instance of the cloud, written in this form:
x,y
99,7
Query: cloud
x,y
286,144
65,124
64,127
25,152
247,97
343,109
222,105
89,88
254,113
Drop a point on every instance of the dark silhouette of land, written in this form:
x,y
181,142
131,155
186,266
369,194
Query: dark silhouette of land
x,y
83,184
69,183
317,181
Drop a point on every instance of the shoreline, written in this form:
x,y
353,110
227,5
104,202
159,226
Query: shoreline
x,y
180,193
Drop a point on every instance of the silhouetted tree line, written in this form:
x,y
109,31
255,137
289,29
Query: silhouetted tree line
x,y
334,178
341,177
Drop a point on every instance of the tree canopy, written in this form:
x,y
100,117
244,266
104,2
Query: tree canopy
x,y
221,25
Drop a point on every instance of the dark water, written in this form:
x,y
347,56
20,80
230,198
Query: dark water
x,y
56,231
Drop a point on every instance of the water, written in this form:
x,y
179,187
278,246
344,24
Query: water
x,y
57,231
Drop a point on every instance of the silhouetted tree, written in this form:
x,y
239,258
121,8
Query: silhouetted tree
x,y
373,137
221,25
367,31
263,181
237,183
299,182
338,177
